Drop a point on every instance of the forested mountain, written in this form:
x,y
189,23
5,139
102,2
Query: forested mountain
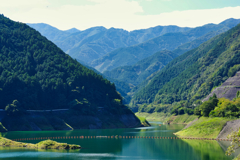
x,y
146,68
121,86
137,73
36,75
95,42
170,41
192,76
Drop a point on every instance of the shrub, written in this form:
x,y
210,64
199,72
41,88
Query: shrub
x,y
181,111
14,108
206,108
197,111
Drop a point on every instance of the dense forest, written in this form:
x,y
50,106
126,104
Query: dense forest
x,y
190,77
138,72
147,68
36,74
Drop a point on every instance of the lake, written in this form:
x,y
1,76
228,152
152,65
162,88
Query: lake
x,y
119,148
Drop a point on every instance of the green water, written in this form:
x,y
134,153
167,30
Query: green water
x,y
119,149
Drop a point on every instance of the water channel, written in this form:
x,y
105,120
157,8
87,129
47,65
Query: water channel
x,y
119,148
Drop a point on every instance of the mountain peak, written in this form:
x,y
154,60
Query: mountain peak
x,y
73,30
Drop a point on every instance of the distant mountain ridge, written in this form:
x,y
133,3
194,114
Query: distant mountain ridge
x,y
72,30
52,33
169,41
95,42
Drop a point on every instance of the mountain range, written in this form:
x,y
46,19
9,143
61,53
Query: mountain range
x,y
132,75
95,42
148,67
103,48
169,41
191,76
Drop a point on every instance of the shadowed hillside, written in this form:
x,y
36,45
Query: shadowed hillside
x,y
36,75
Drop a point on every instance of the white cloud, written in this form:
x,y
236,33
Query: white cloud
x,y
109,13
22,3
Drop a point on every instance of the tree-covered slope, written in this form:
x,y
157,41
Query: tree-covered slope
x,y
137,73
121,86
36,75
180,50
95,42
192,75
170,41
147,68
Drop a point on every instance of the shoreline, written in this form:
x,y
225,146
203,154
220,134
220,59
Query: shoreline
x,y
219,130
46,144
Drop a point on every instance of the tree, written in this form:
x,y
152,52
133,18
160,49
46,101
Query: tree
x,y
181,111
235,144
213,97
206,108
14,108
238,94
197,111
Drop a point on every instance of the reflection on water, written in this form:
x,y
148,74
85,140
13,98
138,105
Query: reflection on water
x,y
51,155
119,149
202,147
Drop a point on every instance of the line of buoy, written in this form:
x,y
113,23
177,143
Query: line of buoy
x,y
116,137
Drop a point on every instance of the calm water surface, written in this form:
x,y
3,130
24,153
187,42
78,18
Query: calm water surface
x,y
119,149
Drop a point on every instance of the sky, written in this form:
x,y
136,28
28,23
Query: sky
x,y
126,14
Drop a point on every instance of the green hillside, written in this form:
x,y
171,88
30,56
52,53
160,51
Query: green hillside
x,y
148,67
194,74
137,73
121,86
36,75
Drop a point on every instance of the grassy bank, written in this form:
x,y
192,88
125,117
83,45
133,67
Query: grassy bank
x,y
180,119
2,128
205,127
47,144
167,118
144,122
153,116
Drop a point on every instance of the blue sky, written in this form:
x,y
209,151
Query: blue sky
x,y
126,14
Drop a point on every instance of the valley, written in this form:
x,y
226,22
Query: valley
x,y
160,82
172,81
